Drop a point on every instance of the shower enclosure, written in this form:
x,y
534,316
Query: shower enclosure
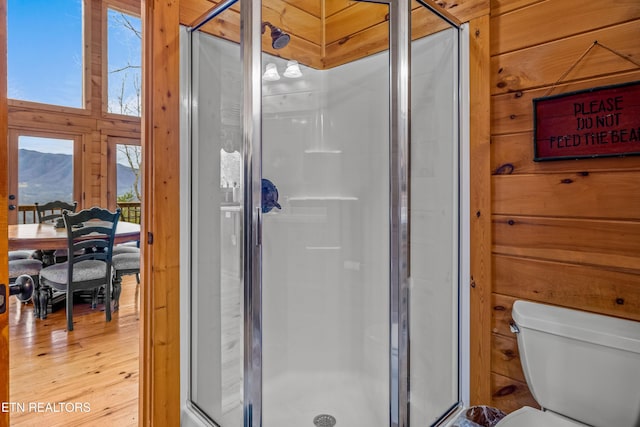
x,y
321,248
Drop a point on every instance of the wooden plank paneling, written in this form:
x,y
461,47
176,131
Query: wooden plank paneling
x,y
464,10
480,206
505,359
376,39
160,312
513,112
612,195
297,22
543,65
348,30
305,29
509,394
564,232
510,34
424,22
130,127
312,7
513,154
613,244
499,7
50,121
334,6
501,314
372,40
576,286
94,91
354,19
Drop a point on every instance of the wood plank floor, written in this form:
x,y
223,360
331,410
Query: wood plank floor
x,y
81,378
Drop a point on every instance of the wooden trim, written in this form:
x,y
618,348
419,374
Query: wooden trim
x,y
30,105
480,174
87,58
11,156
160,308
104,64
132,7
4,269
441,9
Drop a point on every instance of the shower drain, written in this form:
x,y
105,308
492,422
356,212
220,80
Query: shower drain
x,y
324,420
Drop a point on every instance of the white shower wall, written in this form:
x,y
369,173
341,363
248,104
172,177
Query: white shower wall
x,y
326,253
325,257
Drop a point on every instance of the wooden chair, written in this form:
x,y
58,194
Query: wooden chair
x,y
90,235
51,212
124,263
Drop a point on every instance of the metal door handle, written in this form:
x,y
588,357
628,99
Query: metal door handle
x,y
12,207
258,226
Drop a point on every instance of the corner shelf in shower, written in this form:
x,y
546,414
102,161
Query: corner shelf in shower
x,y
320,151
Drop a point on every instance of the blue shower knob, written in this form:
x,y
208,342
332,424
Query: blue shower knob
x,y
269,196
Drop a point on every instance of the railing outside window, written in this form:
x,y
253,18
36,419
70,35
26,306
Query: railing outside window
x,y
130,212
27,214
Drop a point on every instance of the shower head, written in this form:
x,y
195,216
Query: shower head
x,y
279,38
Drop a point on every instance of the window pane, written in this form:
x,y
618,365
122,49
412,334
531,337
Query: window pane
x,y
124,59
45,51
45,170
128,169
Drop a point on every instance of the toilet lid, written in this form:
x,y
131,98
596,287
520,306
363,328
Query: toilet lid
x,y
530,417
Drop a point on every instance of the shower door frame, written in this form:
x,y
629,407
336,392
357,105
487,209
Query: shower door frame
x,y
399,112
399,143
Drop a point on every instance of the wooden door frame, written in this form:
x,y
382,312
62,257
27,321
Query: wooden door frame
x,y
4,239
160,238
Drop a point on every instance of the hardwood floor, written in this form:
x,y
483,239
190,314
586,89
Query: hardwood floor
x,y
81,378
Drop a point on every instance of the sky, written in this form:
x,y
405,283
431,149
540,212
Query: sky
x,y
45,57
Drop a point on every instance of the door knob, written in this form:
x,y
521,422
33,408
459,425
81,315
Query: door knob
x,y
12,207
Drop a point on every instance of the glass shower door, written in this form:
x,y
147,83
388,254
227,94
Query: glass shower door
x,y
216,220
325,250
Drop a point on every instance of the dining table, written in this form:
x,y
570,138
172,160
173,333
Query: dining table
x,y
49,237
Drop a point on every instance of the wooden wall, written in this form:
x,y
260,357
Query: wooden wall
x,y
325,34
91,125
564,232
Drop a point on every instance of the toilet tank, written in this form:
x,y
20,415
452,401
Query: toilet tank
x,y
581,365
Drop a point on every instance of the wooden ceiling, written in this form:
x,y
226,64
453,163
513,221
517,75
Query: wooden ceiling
x,y
328,33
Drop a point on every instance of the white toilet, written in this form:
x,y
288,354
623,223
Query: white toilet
x,y
582,368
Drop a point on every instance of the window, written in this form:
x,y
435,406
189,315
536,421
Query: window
x,y
128,171
45,169
124,58
44,51
124,186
